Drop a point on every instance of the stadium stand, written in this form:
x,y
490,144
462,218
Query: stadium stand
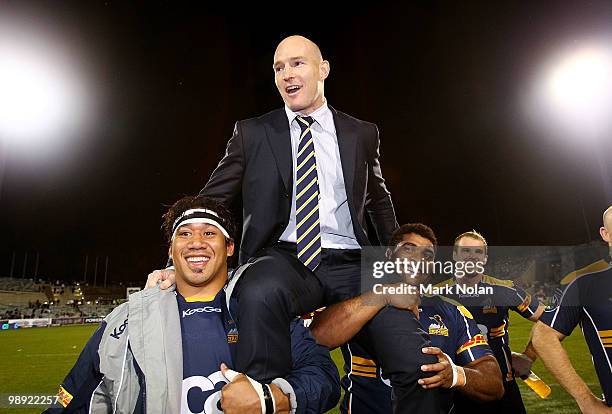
x,y
27,299
18,285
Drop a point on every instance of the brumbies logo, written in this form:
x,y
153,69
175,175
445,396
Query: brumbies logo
x,y
438,327
232,336
119,330
488,306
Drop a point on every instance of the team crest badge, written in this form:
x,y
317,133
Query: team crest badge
x,y
437,327
232,336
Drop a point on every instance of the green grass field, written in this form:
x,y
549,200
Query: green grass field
x,y
36,360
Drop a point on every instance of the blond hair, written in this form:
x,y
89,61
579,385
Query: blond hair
x,y
473,234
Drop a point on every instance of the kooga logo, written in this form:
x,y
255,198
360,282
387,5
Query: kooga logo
x,y
207,309
117,332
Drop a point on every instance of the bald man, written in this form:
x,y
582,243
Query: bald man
x,y
309,178
586,301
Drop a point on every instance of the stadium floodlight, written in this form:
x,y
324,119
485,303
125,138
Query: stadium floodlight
x,y
571,100
580,88
43,99
573,95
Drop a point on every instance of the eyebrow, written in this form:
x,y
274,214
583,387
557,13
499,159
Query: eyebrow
x,y
290,59
186,226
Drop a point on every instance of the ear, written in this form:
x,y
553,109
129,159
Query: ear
x,y
324,69
486,258
388,253
455,255
170,252
605,234
230,247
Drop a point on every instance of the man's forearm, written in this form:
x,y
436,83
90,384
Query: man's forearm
x,y
281,400
338,323
547,344
529,350
483,380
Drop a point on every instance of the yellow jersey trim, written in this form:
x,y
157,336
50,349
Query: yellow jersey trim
x,y
199,299
592,268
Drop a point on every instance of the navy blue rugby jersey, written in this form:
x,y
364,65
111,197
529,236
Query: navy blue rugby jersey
x,y
207,336
451,328
491,313
587,301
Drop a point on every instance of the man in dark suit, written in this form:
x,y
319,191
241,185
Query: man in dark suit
x,y
258,162
308,177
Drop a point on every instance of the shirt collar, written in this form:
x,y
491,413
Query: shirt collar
x,y
323,116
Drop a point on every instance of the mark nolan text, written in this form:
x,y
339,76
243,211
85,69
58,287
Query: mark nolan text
x,y
429,289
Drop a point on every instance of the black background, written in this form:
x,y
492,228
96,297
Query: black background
x,y
443,81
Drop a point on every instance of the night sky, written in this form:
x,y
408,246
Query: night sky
x,y
444,83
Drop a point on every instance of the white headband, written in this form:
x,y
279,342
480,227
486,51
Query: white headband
x,y
199,215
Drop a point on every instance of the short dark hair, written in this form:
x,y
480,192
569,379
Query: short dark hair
x,y
421,229
199,201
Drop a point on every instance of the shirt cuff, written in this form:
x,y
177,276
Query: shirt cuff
x,y
287,389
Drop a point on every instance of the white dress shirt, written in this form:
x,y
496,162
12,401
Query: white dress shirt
x,y
335,218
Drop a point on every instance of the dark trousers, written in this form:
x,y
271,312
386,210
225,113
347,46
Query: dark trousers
x,y
277,287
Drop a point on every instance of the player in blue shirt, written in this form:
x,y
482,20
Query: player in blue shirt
x,y
169,350
586,301
456,340
491,313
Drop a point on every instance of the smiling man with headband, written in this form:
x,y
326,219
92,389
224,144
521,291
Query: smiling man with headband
x,y
177,344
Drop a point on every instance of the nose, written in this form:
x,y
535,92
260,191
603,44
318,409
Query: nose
x,y
287,73
196,241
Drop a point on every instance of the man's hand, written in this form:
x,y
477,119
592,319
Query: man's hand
x,y
443,368
406,301
239,396
165,276
521,364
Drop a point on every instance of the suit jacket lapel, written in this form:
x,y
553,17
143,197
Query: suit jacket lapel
x,y
279,138
347,146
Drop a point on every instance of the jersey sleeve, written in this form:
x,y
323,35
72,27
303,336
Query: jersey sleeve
x,y
314,376
471,344
566,315
522,302
74,395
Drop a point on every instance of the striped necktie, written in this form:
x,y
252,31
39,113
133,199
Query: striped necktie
x,y
308,229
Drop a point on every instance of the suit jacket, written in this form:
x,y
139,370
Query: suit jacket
x,y
257,166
